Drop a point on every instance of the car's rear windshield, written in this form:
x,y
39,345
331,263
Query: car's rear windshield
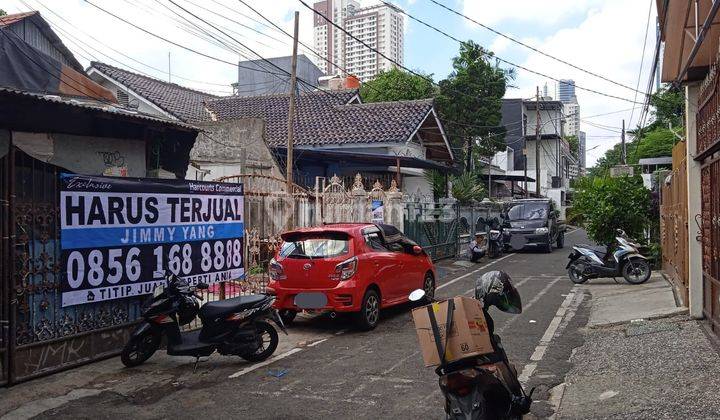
x,y
528,211
323,245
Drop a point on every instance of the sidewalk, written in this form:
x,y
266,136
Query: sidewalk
x,y
642,358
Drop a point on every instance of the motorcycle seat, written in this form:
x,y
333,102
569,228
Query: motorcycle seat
x,y
600,251
227,306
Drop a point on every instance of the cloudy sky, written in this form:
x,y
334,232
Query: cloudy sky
x,y
605,37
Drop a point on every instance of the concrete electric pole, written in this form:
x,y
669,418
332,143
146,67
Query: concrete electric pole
x,y
291,110
537,141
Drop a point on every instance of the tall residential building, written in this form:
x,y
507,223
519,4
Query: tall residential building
x,y
566,90
380,26
572,116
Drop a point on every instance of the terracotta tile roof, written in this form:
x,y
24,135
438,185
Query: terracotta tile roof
x,y
16,17
327,119
183,103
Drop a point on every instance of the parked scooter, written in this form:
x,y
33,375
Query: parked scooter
x,y
484,387
232,327
495,237
588,262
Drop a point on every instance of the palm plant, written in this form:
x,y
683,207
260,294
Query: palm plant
x,y
467,188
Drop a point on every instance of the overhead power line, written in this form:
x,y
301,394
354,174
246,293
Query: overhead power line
x,y
495,31
440,31
642,59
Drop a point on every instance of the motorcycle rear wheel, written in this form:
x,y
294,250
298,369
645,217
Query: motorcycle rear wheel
x,y
269,342
139,349
575,276
636,271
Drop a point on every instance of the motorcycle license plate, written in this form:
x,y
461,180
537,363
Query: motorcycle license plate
x,y
311,300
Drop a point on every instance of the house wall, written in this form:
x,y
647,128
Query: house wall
x,y
512,120
31,34
232,148
85,154
142,104
254,78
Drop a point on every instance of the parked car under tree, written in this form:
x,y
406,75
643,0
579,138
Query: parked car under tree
x,y
356,268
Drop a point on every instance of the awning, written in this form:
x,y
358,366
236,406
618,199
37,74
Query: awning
x,y
506,177
300,155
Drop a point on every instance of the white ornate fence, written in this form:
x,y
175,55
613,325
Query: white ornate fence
x,y
334,202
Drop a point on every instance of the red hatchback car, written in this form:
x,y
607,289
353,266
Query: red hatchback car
x,y
358,268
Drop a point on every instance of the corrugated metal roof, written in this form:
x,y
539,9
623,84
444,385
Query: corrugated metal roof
x,y
96,106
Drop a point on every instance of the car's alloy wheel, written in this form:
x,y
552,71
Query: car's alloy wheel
x,y
429,288
369,311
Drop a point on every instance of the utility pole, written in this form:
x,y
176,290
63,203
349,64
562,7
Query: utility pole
x,y
291,110
623,154
537,140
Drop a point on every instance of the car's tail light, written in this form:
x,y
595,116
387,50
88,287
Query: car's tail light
x,y
459,383
345,269
276,270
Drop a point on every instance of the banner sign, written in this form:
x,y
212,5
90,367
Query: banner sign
x,y
119,235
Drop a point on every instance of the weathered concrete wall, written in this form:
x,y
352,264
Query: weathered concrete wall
x,y
86,154
227,146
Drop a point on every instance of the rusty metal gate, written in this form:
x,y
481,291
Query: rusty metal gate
x,y
4,268
708,153
674,222
710,187
43,336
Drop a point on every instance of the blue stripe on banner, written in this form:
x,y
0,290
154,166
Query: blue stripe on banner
x,y
125,236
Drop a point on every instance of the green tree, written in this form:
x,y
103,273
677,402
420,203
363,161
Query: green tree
x,y
574,143
470,101
2,12
603,204
397,85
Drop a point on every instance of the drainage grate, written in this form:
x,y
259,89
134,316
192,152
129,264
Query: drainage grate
x,y
646,327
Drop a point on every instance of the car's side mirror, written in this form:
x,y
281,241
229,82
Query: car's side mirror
x,y
417,250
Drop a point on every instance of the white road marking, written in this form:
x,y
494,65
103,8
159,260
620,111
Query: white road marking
x,y
457,279
517,285
546,339
315,343
265,363
529,304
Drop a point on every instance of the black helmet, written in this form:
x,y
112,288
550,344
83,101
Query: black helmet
x,y
495,288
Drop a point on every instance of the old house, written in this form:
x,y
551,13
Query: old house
x,y
55,120
335,132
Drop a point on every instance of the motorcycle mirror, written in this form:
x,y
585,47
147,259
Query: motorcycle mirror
x,y
202,286
416,295
417,250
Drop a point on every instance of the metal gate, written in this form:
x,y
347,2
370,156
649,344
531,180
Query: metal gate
x,y
4,268
710,187
43,336
434,226
708,153
674,222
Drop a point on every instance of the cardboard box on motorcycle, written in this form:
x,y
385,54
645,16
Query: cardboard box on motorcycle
x,y
469,335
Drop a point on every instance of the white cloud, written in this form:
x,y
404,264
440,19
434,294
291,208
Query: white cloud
x,y
608,41
542,12
499,45
155,18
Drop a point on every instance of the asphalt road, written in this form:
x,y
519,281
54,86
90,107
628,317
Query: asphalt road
x,y
337,372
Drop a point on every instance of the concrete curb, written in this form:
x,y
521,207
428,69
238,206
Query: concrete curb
x,y
669,314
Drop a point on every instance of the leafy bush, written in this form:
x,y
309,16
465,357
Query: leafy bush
x,y
603,205
467,188
437,182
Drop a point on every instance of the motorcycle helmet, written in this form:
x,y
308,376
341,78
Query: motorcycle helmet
x,y
187,310
494,288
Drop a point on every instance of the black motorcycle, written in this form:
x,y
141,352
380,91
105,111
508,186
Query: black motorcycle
x,y
623,259
232,327
484,387
495,237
